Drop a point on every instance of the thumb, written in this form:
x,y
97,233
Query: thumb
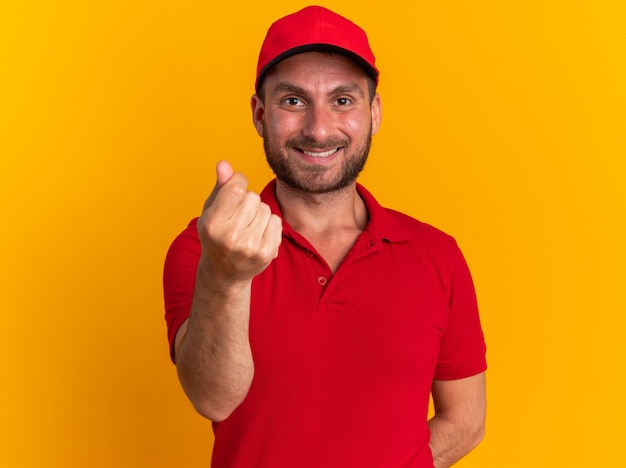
x,y
224,172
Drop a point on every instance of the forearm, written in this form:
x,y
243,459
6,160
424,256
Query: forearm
x,y
451,440
459,422
213,358
239,238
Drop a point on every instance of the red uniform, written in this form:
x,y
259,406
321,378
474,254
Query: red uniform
x,y
344,362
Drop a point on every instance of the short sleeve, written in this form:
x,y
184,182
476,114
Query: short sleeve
x,y
462,346
179,279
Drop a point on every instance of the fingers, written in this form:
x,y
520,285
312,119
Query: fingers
x,y
243,216
237,230
266,229
273,234
253,230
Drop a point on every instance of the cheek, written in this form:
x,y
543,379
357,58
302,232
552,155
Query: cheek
x,y
282,126
358,125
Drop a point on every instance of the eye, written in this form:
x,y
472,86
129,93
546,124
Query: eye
x,y
343,101
293,101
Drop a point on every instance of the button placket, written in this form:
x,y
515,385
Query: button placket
x,y
322,279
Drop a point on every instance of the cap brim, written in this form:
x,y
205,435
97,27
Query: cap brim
x,y
371,71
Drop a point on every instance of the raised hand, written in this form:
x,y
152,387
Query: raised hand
x,y
239,234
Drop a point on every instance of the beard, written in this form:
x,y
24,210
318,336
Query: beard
x,y
310,178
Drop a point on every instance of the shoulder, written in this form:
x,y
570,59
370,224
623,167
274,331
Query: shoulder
x,y
395,226
190,233
416,226
410,235
384,217
185,248
428,242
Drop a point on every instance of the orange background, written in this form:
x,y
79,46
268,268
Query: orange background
x,y
504,124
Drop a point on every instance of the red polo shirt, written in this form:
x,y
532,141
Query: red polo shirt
x,y
344,362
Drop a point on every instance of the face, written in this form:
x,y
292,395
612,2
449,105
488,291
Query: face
x,y
316,120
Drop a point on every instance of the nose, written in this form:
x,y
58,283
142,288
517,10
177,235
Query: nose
x,y
319,123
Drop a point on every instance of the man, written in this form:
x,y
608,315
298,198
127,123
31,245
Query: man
x,y
309,323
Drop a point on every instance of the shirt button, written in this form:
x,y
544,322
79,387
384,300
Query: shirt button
x,y
309,254
321,280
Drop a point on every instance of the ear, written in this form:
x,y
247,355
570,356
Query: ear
x,y
376,109
258,113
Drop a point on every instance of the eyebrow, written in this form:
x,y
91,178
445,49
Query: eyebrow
x,y
286,87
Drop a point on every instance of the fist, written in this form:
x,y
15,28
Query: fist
x,y
239,234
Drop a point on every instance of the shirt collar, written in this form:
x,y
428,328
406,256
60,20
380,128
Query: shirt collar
x,y
382,224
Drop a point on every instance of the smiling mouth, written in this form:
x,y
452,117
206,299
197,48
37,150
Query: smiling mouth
x,y
319,154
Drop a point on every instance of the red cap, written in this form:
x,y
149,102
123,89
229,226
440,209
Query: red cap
x,y
315,28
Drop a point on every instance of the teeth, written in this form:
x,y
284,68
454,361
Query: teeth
x,y
325,154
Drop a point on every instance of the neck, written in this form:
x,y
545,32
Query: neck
x,y
325,214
